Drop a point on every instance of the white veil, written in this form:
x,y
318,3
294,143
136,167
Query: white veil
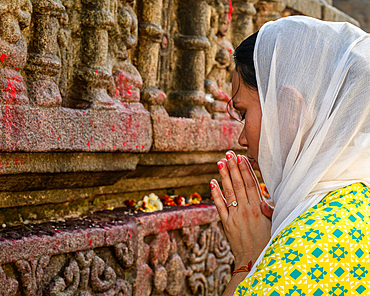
x,y
314,86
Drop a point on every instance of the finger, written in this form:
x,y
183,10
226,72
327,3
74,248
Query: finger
x,y
254,177
250,181
219,201
266,209
236,178
226,183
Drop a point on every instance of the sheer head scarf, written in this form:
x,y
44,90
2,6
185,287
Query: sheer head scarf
x,y
314,86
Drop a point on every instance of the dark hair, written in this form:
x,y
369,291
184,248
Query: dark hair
x,y
243,57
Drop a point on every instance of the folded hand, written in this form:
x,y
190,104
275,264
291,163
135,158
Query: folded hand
x,y
243,212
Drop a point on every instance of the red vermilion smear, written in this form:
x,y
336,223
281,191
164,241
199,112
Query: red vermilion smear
x,y
113,128
58,138
129,235
124,144
129,92
230,50
230,10
115,146
143,146
96,71
90,242
16,161
3,57
88,143
137,146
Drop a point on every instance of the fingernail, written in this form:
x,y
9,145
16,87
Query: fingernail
x,y
212,186
220,165
229,155
239,159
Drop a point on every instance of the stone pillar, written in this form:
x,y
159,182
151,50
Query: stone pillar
x,y
93,77
189,100
242,20
43,63
15,15
151,34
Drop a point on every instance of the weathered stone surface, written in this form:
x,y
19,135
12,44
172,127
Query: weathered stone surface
x,y
103,253
331,13
358,9
188,134
309,7
33,129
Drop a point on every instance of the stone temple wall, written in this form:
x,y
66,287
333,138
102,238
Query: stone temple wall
x,y
107,100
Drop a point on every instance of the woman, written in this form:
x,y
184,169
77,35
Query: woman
x,y
303,88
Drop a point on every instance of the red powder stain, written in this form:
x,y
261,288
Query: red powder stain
x,y
58,138
230,10
22,163
143,146
124,144
230,50
88,143
116,91
113,128
3,57
16,161
129,235
102,144
137,146
83,112
90,242
129,92
115,146
7,163
96,71
159,119
58,229
223,129
18,68
72,140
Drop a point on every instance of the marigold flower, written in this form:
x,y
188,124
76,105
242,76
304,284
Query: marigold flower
x,y
129,203
264,190
167,200
180,200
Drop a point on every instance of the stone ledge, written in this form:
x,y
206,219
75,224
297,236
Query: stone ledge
x,y
172,252
192,134
320,9
31,129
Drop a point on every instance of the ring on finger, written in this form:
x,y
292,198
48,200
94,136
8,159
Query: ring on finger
x,y
234,204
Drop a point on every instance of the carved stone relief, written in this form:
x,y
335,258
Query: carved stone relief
x,y
268,10
127,81
192,261
219,59
15,16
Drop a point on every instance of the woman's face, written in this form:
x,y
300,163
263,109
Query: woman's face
x,y
246,101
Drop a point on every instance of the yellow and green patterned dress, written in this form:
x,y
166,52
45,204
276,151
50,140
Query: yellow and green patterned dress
x,y
325,251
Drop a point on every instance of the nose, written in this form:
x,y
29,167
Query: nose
x,y
242,139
